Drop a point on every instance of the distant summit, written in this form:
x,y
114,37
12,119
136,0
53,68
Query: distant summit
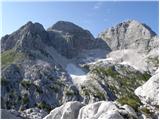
x,y
69,39
128,34
65,26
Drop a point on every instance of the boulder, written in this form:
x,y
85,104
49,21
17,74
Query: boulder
x,y
113,114
69,110
95,110
149,92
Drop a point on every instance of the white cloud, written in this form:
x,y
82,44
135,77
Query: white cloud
x,y
97,5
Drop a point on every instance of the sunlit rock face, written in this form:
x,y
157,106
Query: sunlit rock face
x,y
97,110
128,34
149,95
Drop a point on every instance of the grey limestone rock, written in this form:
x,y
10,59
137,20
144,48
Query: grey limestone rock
x,y
69,110
128,34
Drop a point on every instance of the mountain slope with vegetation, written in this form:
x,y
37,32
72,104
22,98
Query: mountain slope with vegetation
x,y
65,66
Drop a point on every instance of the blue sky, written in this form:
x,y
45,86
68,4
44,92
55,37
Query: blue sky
x,y
94,16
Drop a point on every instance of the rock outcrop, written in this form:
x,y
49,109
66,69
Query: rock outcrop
x,y
6,114
149,95
33,113
69,110
101,109
149,92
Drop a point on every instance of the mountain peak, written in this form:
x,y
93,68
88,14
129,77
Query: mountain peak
x,y
33,26
127,34
136,25
24,37
65,26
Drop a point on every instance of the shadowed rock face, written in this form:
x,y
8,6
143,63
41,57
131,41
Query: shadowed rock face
x,y
65,37
30,36
129,34
69,39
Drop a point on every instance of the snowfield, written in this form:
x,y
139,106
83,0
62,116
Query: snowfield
x,y
77,74
128,63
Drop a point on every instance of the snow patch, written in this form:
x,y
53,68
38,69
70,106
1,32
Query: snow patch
x,y
127,63
77,74
102,60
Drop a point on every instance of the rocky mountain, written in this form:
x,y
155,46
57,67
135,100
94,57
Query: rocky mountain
x,y
65,72
31,73
129,34
69,39
133,43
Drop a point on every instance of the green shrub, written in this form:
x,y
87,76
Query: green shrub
x,y
125,83
11,56
145,110
130,100
44,105
86,91
154,60
51,78
26,83
92,90
54,87
4,82
146,76
25,99
71,93
109,71
113,89
97,93
38,89
59,83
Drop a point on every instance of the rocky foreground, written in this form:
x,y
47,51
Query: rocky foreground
x,y
64,72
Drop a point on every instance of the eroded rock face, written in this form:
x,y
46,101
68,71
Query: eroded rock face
x,y
139,60
133,43
69,110
5,114
33,113
129,34
39,85
149,96
95,110
30,36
